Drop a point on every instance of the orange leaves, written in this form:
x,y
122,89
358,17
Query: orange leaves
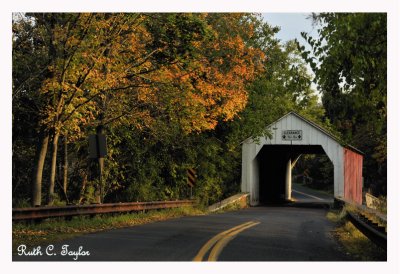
x,y
210,86
124,65
145,95
221,77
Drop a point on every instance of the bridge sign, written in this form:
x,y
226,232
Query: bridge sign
x,y
292,135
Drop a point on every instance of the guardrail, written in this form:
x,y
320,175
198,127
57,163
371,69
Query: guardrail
x,y
38,213
370,229
373,231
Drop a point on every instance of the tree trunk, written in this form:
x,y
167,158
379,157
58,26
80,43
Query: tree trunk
x,y
101,183
99,192
83,188
41,152
53,168
65,167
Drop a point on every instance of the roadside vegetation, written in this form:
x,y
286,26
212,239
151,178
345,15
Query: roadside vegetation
x,y
382,206
352,241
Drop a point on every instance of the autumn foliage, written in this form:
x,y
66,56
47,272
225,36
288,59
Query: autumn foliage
x,y
110,64
146,71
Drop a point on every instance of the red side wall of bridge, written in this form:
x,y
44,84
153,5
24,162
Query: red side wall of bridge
x,y
353,163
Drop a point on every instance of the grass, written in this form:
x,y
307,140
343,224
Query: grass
x,y
352,241
382,205
54,230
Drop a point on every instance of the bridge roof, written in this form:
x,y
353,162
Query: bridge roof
x,y
318,127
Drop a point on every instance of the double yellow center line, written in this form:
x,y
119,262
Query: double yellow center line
x,y
219,241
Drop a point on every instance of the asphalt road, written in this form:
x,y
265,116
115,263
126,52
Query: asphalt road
x,y
304,195
253,234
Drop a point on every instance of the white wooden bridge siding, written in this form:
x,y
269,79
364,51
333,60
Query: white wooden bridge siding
x,y
312,135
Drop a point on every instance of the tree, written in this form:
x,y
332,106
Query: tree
x,y
30,62
78,48
349,62
210,71
172,91
284,85
191,97
121,68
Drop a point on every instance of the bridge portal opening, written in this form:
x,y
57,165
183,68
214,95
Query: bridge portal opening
x,y
314,171
275,164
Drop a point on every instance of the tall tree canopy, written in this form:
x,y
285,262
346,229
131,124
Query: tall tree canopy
x,y
349,59
173,91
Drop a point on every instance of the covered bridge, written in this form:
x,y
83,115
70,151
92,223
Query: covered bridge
x,y
267,164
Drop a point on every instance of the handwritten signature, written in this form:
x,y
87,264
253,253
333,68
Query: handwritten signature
x,y
51,251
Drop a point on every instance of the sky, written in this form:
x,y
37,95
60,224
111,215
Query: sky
x,y
292,24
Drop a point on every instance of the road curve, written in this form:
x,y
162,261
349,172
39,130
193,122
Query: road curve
x,y
252,234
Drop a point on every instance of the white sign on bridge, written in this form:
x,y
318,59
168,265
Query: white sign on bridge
x,y
292,135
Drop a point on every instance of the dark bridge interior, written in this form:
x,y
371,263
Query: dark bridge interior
x,y
272,161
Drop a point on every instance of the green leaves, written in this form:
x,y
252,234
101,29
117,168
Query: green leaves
x,y
174,91
351,75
